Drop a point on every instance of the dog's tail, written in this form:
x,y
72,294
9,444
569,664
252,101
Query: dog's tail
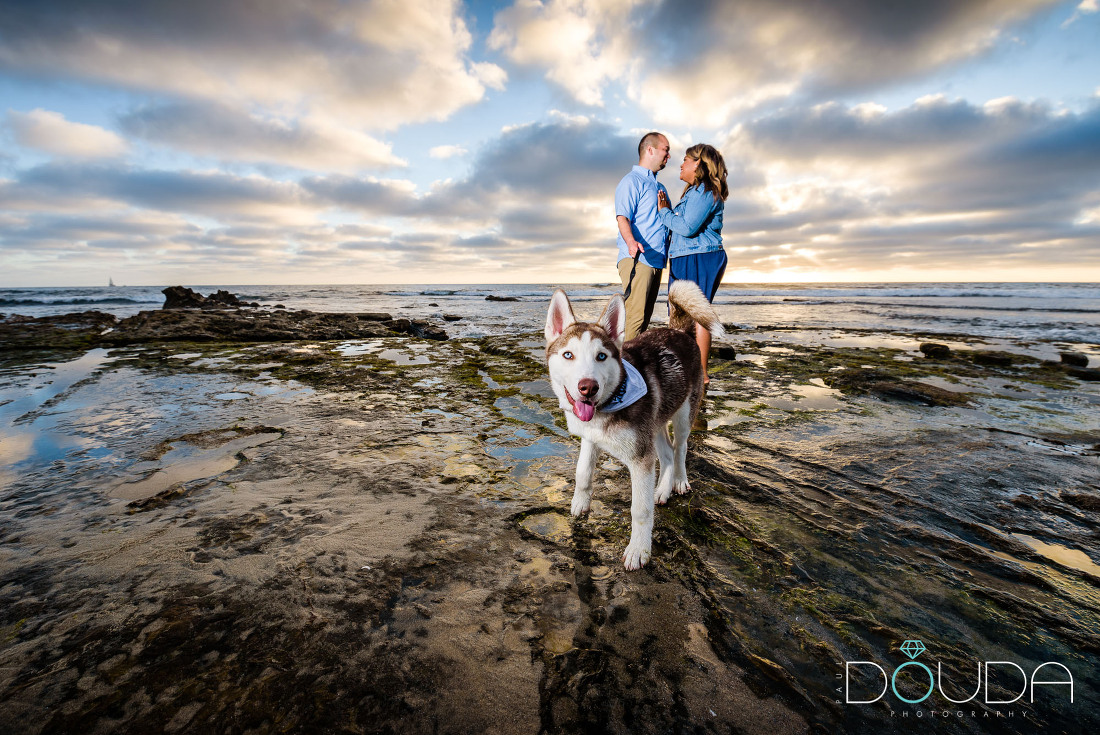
x,y
687,305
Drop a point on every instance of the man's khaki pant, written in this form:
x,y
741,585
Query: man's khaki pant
x,y
643,294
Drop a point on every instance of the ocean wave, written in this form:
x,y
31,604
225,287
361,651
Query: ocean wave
x,y
73,302
931,291
914,306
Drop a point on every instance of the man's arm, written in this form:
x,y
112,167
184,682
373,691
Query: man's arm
x,y
626,205
628,235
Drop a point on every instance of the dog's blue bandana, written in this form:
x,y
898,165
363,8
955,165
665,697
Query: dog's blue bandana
x,y
629,392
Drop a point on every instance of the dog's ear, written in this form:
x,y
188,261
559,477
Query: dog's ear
x,y
559,317
613,319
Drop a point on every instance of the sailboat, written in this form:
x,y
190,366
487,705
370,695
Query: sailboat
x,y
110,282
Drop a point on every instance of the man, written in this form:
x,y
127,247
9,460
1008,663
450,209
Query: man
x,y
641,233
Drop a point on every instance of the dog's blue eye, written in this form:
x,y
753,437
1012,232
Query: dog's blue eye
x,y
567,355
601,357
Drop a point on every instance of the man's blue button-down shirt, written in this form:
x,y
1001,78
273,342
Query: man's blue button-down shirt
x,y
696,223
636,199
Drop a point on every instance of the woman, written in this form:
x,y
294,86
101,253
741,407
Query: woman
x,y
696,252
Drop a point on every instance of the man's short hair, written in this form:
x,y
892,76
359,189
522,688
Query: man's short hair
x,y
649,139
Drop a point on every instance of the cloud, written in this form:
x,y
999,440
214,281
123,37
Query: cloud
x,y
567,38
133,230
375,65
447,151
707,62
1086,7
51,133
213,194
214,129
944,183
567,158
380,198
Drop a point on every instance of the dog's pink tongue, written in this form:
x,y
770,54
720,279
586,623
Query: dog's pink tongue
x,y
584,411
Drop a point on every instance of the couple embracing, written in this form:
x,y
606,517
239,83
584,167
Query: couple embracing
x,y
645,218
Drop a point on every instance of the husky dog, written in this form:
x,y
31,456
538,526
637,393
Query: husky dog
x,y
620,398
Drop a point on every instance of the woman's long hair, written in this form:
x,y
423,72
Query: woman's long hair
x,y
711,171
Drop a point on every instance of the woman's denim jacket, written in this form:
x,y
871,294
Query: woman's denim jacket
x,y
695,222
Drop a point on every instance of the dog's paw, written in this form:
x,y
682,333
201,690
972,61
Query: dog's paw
x,y
635,557
662,494
581,504
665,491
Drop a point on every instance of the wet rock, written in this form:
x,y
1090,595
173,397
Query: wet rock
x,y
491,297
366,573
874,382
1076,359
180,297
427,330
225,298
935,350
63,331
1083,501
724,352
992,359
451,317
174,325
1088,374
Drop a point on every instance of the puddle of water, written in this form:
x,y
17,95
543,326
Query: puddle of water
x,y
211,362
370,347
515,407
537,388
234,396
350,349
26,436
186,462
401,358
489,382
557,636
815,397
551,527
537,570
444,414
1067,557
730,418
544,447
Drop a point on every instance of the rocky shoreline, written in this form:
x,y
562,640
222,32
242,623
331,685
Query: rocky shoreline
x,y
190,317
372,535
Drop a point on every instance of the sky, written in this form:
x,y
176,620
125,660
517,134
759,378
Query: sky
x,y
435,141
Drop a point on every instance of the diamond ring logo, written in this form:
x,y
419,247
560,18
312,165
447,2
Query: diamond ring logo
x,y
912,649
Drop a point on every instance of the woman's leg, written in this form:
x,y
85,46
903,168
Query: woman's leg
x,y
702,338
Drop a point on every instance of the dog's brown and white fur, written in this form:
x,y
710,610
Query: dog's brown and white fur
x,y
585,362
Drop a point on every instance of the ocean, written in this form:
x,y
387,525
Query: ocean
x,y
1051,312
